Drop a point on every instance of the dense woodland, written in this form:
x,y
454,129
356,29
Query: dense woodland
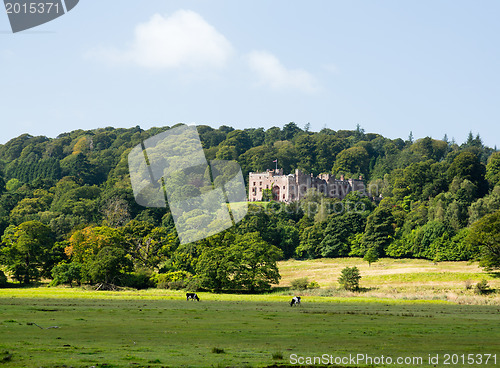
x,y
67,211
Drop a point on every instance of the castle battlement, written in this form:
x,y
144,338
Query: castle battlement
x,y
293,187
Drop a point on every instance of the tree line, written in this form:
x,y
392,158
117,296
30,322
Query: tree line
x,y
67,210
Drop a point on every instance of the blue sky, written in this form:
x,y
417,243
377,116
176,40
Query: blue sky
x,y
392,67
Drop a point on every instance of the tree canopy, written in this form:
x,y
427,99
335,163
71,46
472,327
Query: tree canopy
x,y
68,201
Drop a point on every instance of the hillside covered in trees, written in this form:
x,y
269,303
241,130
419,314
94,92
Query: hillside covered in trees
x,y
67,211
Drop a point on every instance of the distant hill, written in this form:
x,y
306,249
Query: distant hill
x,y
430,193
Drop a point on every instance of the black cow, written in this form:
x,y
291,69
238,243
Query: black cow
x,y
295,301
192,296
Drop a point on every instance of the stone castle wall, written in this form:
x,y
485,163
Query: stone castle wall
x,y
293,187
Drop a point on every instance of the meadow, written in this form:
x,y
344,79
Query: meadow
x,y
77,327
397,278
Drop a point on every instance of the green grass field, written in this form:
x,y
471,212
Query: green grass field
x,y
159,328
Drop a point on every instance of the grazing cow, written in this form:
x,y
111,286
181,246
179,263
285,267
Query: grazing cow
x,y
192,296
295,301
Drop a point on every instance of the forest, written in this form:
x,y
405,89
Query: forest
x,y
68,214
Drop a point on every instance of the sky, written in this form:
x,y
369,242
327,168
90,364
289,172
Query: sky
x,y
392,67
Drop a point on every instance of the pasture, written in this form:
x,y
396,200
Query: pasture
x,y
397,278
159,328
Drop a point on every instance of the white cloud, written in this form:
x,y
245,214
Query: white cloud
x,y
182,40
273,73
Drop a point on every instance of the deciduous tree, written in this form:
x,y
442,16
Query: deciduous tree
x,y
26,250
485,234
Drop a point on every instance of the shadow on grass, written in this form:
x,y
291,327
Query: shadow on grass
x,y
495,275
15,285
486,292
5,357
279,289
365,289
273,290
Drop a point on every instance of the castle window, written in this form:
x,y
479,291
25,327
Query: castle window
x,y
260,189
260,183
267,186
283,196
254,183
283,187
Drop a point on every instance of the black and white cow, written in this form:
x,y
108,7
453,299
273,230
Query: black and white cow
x,y
192,296
295,301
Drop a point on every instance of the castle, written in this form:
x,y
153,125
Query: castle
x,y
293,187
